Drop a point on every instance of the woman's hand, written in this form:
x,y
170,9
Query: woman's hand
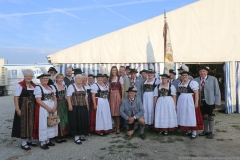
x,y
49,110
70,108
196,105
54,110
18,112
94,106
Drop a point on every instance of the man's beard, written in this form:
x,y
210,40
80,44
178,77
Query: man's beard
x,y
53,78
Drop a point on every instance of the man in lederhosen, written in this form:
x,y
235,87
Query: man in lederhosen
x,y
144,74
68,79
210,97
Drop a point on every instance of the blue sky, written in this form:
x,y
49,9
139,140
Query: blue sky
x,y
32,29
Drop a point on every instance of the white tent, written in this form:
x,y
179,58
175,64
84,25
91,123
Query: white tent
x,y
207,31
204,31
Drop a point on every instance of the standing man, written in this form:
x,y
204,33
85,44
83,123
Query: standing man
x,y
68,79
172,79
132,111
125,79
128,68
182,69
210,97
53,72
136,82
144,74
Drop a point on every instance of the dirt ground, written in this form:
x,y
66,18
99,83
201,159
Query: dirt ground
x,y
225,145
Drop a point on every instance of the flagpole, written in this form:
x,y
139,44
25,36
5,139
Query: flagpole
x,y
165,38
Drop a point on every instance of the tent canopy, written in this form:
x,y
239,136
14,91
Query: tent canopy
x,y
204,31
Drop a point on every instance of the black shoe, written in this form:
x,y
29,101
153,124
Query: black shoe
x,y
142,136
51,144
58,141
78,141
63,140
193,136
165,133
188,134
203,133
26,147
32,144
44,146
100,134
210,135
82,139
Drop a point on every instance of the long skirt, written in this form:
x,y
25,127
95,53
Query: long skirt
x,y
46,132
148,107
165,114
90,105
103,116
189,117
115,102
93,120
62,110
23,125
79,120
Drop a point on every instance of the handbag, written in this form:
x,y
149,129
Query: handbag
x,y
52,120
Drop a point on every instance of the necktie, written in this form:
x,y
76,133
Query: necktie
x,y
131,101
132,82
203,81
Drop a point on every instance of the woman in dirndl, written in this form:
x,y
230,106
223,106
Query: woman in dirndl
x,y
62,108
148,97
47,105
165,106
116,94
101,106
78,110
188,110
24,102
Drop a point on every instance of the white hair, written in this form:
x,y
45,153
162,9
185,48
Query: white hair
x,y
79,76
28,71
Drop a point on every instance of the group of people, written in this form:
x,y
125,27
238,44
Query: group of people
x,y
101,103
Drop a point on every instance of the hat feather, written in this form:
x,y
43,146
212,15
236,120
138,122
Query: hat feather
x,y
43,69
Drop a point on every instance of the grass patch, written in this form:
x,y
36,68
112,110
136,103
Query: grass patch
x,y
236,127
120,146
192,155
230,139
9,120
117,141
102,148
141,155
220,139
179,139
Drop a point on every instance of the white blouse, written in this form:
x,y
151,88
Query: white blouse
x,y
156,83
95,88
173,90
193,85
120,80
38,93
18,90
70,90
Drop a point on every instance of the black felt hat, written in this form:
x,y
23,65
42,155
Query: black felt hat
x,y
203,67
185,72
105,75
43,75
180,68
77,71
172,71
52,69
91,75
133,71
150,71
99,75
131,89
164,75
144,70
128,67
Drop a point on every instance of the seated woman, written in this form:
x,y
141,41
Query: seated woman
x,y
24,110
45,97
78,110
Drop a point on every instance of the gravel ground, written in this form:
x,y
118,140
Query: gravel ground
x,y
225,144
